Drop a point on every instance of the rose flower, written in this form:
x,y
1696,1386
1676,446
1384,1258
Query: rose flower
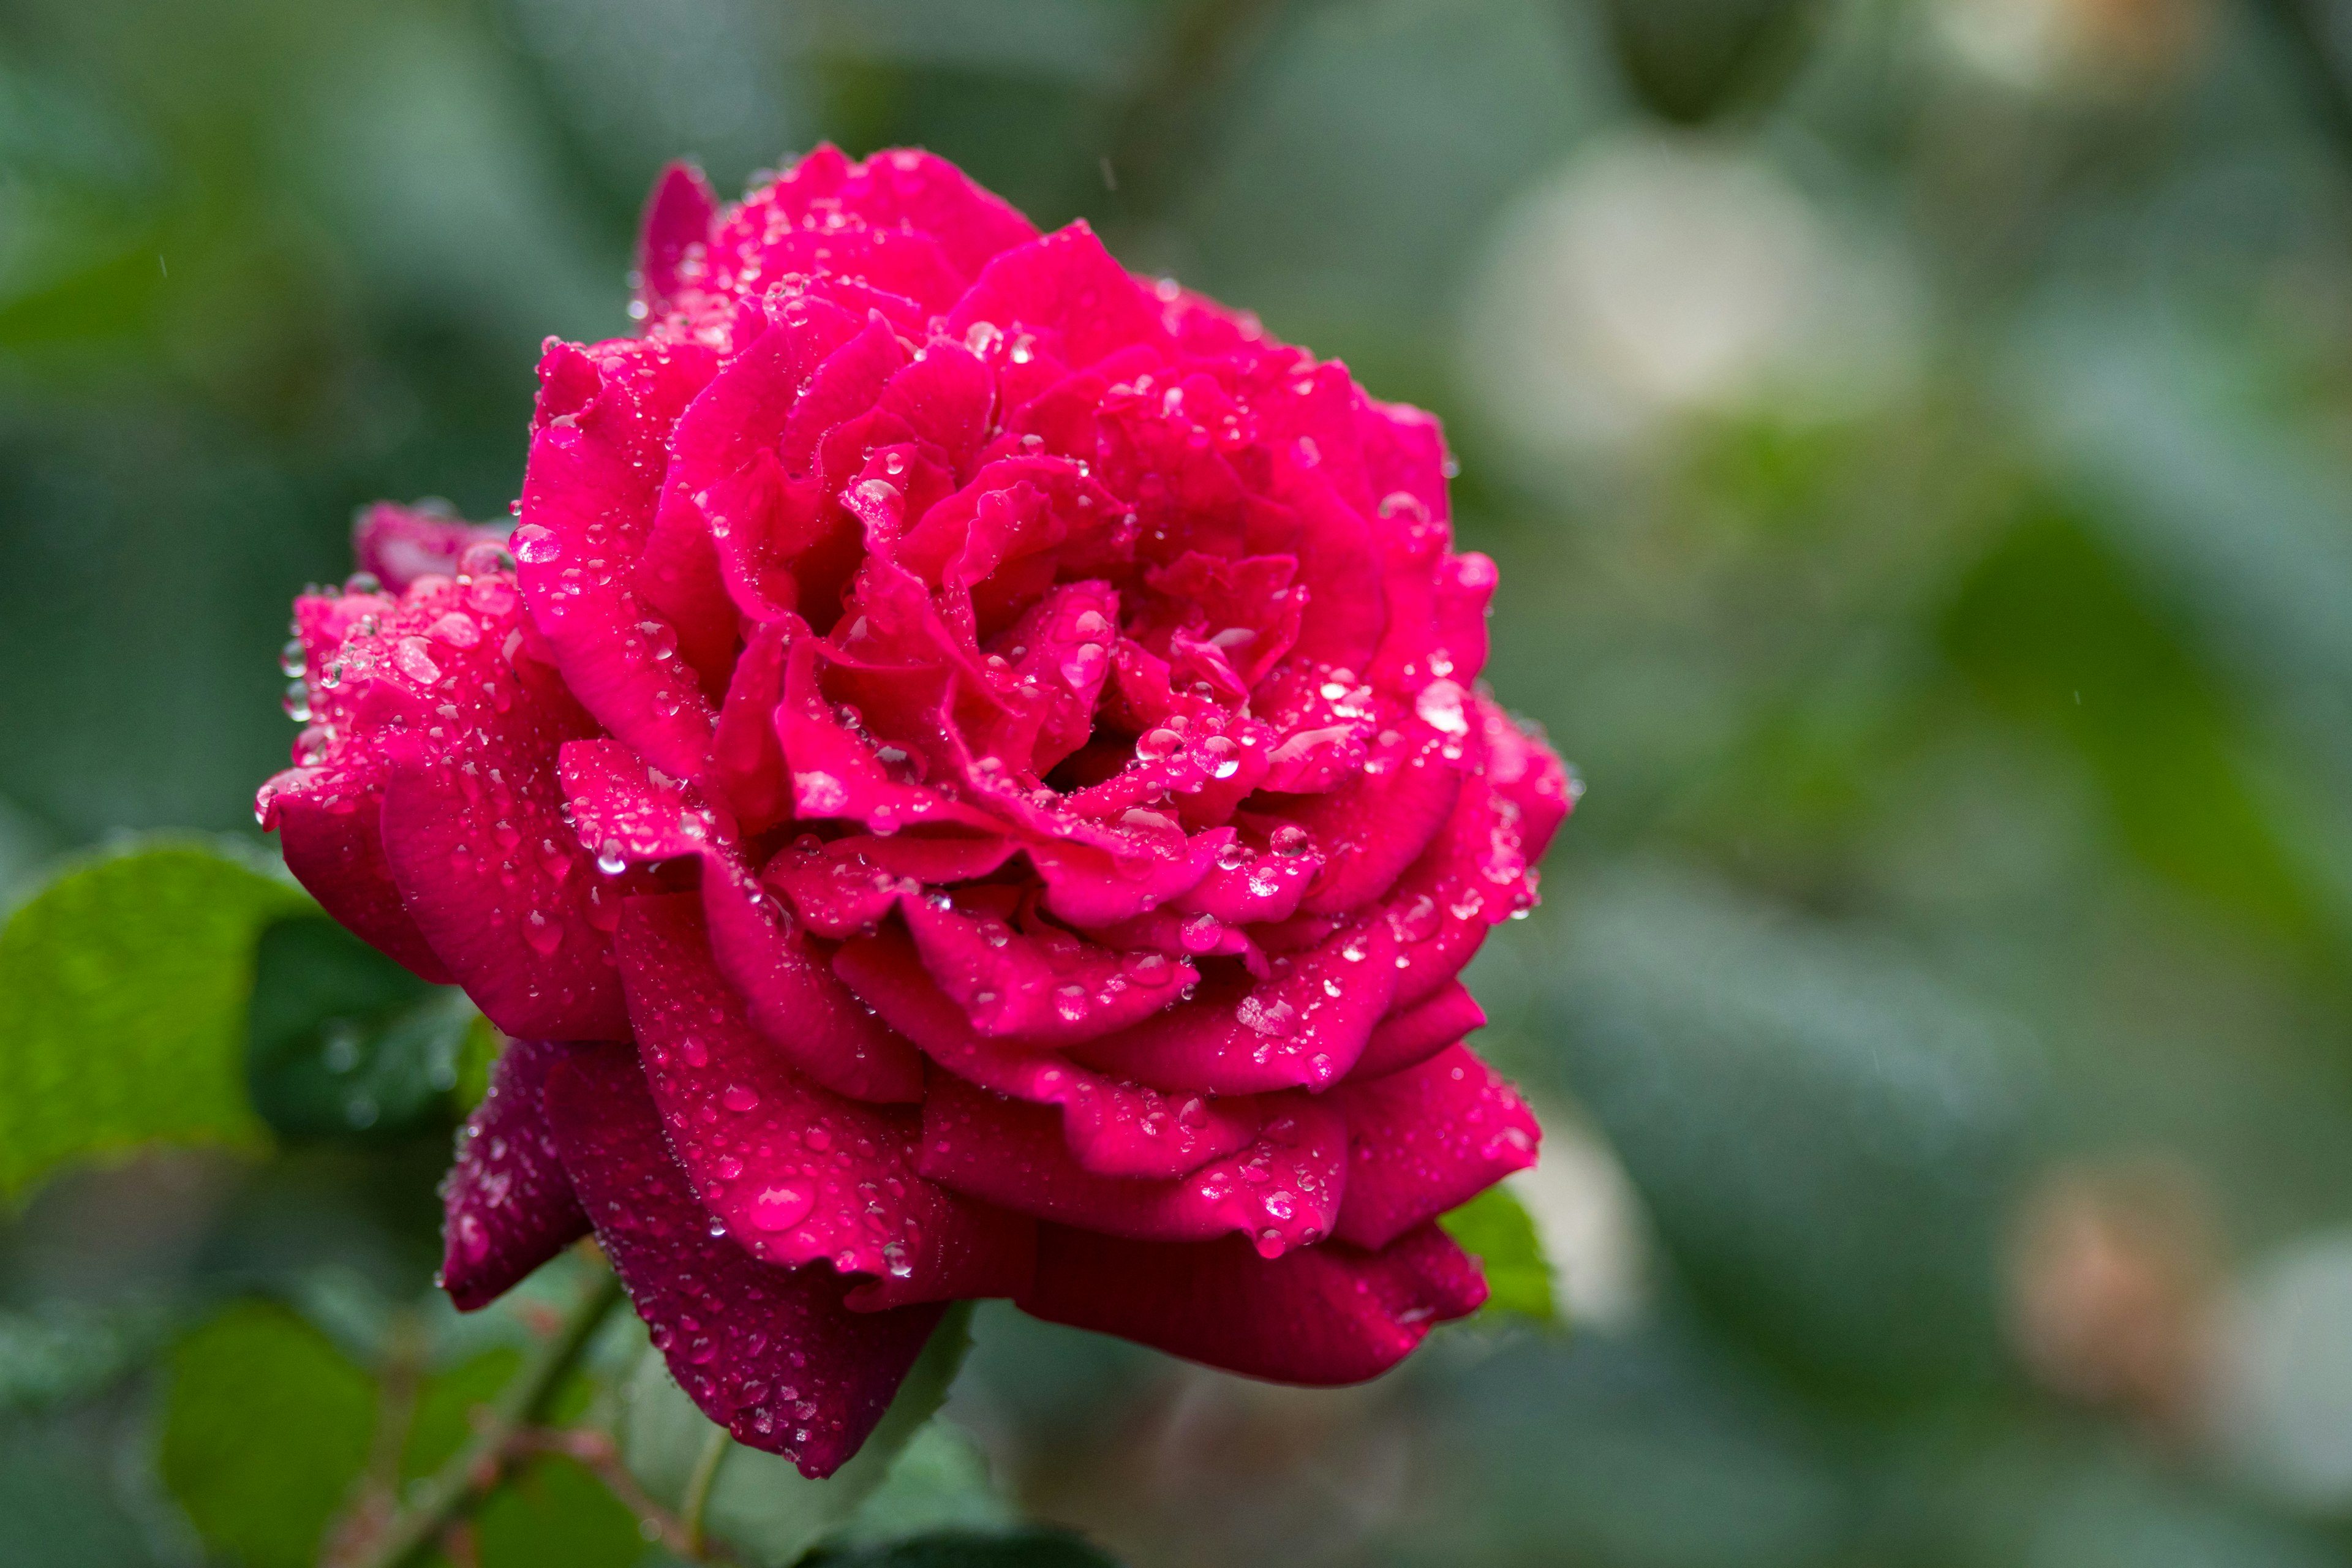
x,y
971,782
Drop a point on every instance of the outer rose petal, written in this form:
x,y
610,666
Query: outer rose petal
x,y
1413,1034
677,223
508,1206
1427,1139
1283,1191
336,851
588,498
399,544
792,997
1322,1315
1113,1128
1303,1025
772,1354
796,1173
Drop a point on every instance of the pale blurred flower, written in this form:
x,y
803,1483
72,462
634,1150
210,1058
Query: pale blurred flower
x,y
2283,1408
2111,1282
2060,45
1590,1223
1654,276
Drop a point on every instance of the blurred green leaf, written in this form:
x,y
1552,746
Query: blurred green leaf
x,y
1693,60
265,1427
123,985
760,1504
938,1482
1493,1227
964,1549
344,1040
555,1513
2053,626
1823,1132
442,1421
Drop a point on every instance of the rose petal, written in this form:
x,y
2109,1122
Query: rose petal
x,y
330,829
1283,1191
772,1354
678,221
792,997
1317,1315
1426,1140
399,544
1304,1025
796,1173
588,503
1411,1035
1066,288
507,1205
1113,1128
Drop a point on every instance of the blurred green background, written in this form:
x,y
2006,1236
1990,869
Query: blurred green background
x,y
1917,439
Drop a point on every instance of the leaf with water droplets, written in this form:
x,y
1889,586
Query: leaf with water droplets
x,y
123,985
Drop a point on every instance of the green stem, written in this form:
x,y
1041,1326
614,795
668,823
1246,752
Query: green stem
x,y
433,1503
698,1486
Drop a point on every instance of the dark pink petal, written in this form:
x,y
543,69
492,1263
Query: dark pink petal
x,y
588,502
1472,876
1066,289
627,812
1041,986
1304,1025
1524,771
507,1205
796,1173
1113,1128
747,762
1089,886
333,840
1404,456
775,1355
901,261
790,995
845,385
1261,886
1413,1034
1369,830
1319,1315
678,222
1282,1192
1346,614
931,195
399,543
946,398
1426,1140
524,928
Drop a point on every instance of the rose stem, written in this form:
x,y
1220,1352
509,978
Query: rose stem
x,y
443,1496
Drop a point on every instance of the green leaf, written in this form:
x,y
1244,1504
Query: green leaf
x,y
441,1422
555,1513
265,1427
964,1548
1495,1228
342,1040
122,992
940,1482
759,1503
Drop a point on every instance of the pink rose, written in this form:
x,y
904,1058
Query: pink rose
x,y
973,783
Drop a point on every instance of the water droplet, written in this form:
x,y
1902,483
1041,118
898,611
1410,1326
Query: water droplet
x,y
741,1098
544,935
781,1206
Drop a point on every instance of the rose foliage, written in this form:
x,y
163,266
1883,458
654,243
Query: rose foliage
x,y
970,783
